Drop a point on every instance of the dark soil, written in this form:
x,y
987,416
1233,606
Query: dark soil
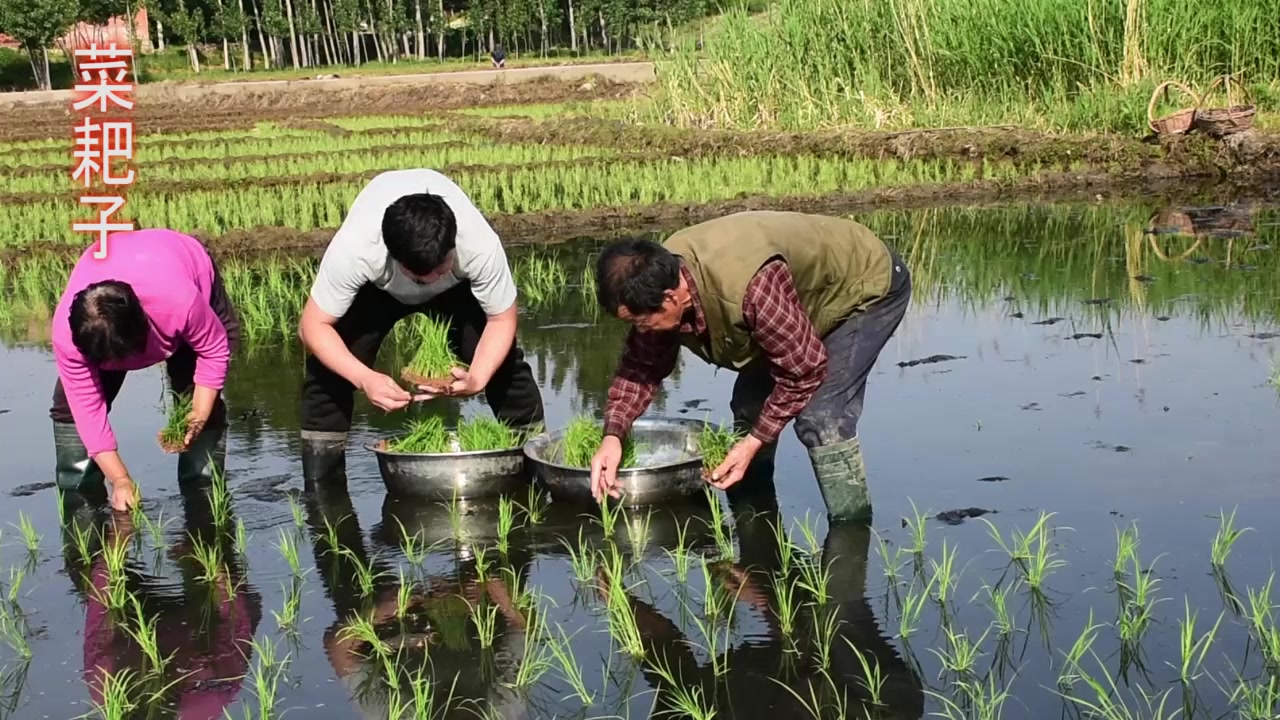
x,y
930,360
956,517
436,385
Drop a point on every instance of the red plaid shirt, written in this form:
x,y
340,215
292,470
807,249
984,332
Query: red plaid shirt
x,y
778,324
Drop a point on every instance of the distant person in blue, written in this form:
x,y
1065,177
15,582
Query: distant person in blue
x,y
499,56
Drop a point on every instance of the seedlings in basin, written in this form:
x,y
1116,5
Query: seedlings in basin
x,y
582,437
174,433
433,361
424,435
486,433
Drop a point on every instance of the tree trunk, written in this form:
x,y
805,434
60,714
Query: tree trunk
x,y
444,25
573,35
377,42
332,42
421,37
355,47
604,34
293,33
194,57
262,37
39,58
160,35
244,38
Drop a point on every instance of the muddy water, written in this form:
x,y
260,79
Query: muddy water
x,y
1072,365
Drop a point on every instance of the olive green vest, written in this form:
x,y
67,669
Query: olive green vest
x,y
839,268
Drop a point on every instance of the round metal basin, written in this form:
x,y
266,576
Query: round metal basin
x,y
669,466
443,476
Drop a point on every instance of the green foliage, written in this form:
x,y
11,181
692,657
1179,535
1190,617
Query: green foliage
x,y
434,357
714,442
175,428
582,437
37,23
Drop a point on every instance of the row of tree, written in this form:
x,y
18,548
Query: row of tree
x,y
316,33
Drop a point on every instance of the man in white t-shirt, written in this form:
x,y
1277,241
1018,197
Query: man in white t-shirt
x,y
412,242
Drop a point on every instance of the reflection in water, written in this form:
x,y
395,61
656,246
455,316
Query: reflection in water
x,y
203,625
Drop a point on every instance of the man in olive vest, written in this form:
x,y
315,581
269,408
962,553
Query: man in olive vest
x,y
799,305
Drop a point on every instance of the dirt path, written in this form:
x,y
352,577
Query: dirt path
x,y
629,72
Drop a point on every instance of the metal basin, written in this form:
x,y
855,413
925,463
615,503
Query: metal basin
x,y
443,476
669,464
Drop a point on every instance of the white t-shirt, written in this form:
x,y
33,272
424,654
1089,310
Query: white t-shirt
x,y
357,255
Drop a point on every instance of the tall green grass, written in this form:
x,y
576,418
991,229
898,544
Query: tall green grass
x,y
1076,64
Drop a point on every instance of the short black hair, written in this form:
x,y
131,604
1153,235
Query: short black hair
x,y
635,274
108,322
419,231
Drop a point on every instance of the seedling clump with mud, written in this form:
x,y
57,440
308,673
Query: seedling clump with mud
x,y
429,435
174,433
433,359
714,443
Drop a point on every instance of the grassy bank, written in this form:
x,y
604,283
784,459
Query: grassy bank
x,y
1050,64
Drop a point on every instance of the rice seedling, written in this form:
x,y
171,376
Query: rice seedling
x,y
1256,701
541,277
287,619
912,608
174,433
116,690
979,700
13,628
829,702
786,548
241,540
873,678
535,509
714,443
506,523
815,579
414,546
682,699
424,435
788,610
892,563
1138,602
209,557
155,529
143,632
962,654
455,517
918,523
360,629
288,547
944,573
582,559
481,555
485,433
570,670
1031,552
1193,649
622,619
1226,538
365,578
30,538
998,601
808,530
433,360
521,596
115,555
424,695
485,617
404,594
717,645
719,527
1110,705
537,659
1126,549
299,515
219,499
826,631
265,677
608,519
582,437
80,537
681,558
1071,670
638,531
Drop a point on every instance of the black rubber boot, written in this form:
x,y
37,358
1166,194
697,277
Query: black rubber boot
x,y
842,478
74,469
324,458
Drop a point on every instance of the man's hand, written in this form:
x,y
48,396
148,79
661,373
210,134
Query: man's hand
x,y
604,469
384,392
735,463
464,384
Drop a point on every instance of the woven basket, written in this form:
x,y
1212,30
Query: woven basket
x,y
1177,122
1220,122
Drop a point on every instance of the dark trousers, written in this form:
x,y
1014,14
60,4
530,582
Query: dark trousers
x,y
852,349
180,367
328,400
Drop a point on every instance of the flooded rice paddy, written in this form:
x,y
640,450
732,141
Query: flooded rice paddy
x,y
1056,428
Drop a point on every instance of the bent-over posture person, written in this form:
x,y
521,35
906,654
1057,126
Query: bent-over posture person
x,y
157,296
412,243
799,305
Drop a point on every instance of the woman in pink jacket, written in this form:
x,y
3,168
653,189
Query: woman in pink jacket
x,y
156,297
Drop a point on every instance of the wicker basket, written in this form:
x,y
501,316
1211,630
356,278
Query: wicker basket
x,y
1220,122
1177,122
